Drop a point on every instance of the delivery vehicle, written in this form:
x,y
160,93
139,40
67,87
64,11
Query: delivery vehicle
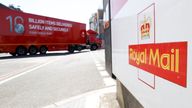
x,y
22,33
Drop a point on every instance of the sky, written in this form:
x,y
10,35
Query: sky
x,y
73,10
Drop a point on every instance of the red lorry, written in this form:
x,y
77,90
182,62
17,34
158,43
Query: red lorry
x,y
22,33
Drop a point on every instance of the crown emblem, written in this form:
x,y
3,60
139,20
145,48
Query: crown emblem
x,y
145,28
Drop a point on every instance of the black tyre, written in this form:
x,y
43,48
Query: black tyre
x,y
71,49
94,47
13,54
43,50
21,51
79,48
32,50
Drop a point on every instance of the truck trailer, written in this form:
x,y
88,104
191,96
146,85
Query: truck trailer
x,y
22,33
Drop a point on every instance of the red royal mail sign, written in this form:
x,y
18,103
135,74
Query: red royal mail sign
x,y
166,60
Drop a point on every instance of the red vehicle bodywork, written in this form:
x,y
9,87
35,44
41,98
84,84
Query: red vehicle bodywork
x,y
23,29
93,38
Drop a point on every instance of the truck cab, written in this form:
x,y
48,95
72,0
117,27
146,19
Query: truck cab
x,y
93,40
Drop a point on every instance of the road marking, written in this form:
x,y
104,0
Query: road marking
x,y
4,61
25,72
98,64
89,99
104,73
108,81
100,68
10,74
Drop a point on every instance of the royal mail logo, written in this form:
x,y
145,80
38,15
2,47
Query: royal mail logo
x,y
145,28
166,60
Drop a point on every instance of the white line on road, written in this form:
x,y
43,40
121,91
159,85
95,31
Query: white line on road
x,y
25,72
108,81
104,73
4,61
98,64
100,68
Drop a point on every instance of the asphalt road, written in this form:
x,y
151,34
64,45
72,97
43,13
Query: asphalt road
x,y
37,81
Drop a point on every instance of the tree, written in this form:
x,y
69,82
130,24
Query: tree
x,y
11,6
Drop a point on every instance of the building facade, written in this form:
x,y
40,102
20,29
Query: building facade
x,y
96,24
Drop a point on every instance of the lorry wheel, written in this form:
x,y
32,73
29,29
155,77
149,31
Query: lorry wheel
x,y
43,50
93,47
79,48
13,54
21,51
71,49
32,50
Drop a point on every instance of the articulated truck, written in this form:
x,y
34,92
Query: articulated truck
x,y
23,33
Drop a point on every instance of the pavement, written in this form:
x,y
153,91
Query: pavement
x,y
103,98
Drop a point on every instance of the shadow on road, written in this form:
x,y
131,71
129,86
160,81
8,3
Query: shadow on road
x,y
39,55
